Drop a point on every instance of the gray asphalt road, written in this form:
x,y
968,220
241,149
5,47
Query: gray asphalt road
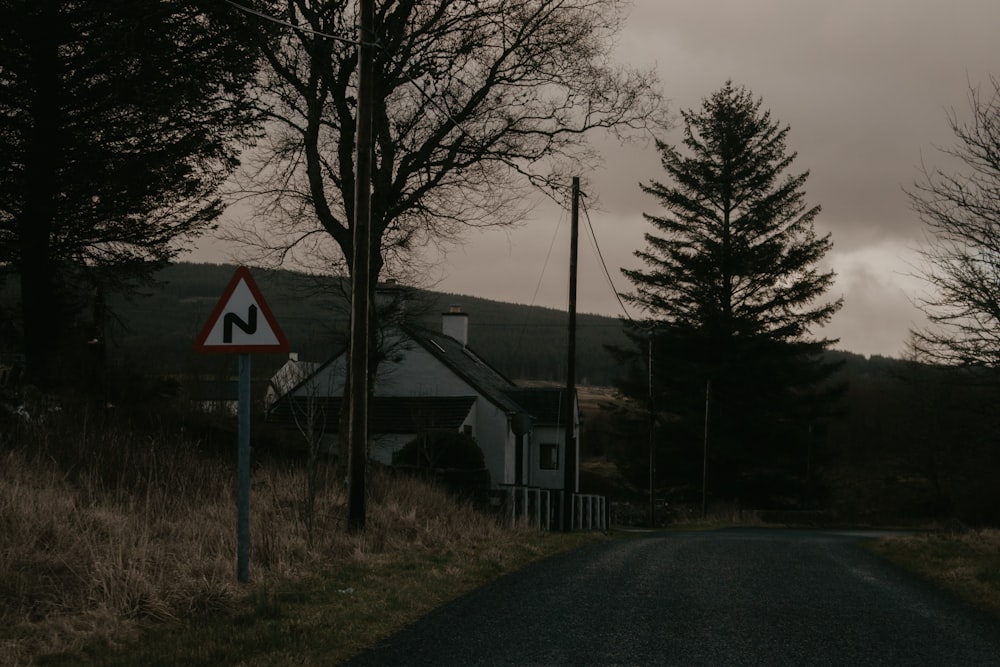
x,y
733,597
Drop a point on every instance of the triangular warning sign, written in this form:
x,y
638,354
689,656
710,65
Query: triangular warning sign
x,y
241,321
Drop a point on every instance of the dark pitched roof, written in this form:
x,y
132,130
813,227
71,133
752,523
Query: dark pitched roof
x,y
545,405
388,414
542,404
465,363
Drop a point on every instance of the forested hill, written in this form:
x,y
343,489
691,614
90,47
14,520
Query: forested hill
x,y
905,439
159,325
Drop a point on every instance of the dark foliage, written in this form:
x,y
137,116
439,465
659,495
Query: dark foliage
x,y
731,290
146,439
119,120
909,442
914,441
452,458
441,449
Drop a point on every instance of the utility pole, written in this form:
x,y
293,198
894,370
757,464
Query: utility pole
x,y
570,477
360,307
704,449
652,439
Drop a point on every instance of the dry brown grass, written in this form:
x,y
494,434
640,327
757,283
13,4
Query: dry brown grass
x,y
91,558
966,563
79,564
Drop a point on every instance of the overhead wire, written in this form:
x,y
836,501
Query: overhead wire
x,y
293,26
604,265
538,286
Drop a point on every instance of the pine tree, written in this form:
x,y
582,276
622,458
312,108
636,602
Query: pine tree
x,y
731,290
119,120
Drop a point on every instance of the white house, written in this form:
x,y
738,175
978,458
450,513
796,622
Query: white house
x,y
432,380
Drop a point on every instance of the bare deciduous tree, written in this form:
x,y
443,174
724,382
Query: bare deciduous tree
x,y
961,211
476,100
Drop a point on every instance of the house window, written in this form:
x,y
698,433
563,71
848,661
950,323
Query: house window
x,y
549,456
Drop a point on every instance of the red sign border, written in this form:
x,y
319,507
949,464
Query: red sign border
x,y
242,274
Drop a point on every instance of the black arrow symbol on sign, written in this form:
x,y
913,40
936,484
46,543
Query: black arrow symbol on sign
x,y
248,327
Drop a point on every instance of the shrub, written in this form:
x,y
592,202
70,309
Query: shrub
x,y
451,458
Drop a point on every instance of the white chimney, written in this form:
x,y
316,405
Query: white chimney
x,y
455,323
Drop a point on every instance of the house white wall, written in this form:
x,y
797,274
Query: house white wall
x,y
540,436
549,479
329,380
420,373
416,372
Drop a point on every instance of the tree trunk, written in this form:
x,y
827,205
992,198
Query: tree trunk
x,y
43,324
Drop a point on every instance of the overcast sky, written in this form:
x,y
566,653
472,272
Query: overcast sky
x,y
865,86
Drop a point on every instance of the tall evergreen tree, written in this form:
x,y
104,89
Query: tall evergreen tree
x,y
119,120
731,291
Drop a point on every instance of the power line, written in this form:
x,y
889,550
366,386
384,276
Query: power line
x,y
538,286
287,24
600,257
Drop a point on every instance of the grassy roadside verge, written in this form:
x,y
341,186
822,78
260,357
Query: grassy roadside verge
x,y
327,618
966,564
131,561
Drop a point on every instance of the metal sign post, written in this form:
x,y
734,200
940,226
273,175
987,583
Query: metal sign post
x,y
243,475
236,326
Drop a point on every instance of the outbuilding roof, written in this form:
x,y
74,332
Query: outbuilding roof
x,y
546,405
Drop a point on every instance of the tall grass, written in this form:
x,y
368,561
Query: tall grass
x,y
106,530
965,562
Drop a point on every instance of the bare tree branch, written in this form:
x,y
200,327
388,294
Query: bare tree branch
x,y
477,102
961,257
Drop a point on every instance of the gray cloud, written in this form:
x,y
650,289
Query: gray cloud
x,y
865,86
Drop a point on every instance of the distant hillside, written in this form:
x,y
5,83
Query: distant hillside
x,y
905,440
160,325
